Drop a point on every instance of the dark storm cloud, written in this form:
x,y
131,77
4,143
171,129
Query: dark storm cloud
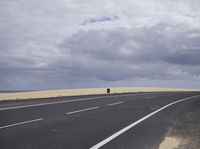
x,y
150,43
128,53
185,57
158,43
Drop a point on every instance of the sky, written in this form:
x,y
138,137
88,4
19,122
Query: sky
x,y
57,44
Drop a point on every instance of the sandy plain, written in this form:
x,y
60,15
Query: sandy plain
x,y
83,91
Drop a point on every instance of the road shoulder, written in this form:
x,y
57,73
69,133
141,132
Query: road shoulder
x,y
185,132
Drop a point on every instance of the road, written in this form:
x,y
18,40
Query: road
x,y
121,121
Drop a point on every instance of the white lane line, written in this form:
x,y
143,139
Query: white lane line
x,y
21,123
105,141
66,101
116,103
150,97
82,110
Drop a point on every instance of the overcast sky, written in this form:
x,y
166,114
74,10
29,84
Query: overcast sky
x,y
55,44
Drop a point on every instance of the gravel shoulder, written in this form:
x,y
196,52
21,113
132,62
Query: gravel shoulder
x,y
185,134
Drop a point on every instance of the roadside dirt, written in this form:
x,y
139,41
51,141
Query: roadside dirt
x,y
185,133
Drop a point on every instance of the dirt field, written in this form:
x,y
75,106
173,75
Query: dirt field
x,y
75,92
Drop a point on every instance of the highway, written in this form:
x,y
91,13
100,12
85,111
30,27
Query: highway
x,y
118,121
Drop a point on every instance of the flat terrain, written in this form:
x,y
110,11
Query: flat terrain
x,y
84,91
121,121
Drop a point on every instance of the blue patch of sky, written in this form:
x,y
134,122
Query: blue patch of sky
x,y
100,20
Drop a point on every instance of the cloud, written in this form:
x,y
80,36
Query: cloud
x,y
186,57
101,19
76,43
123,54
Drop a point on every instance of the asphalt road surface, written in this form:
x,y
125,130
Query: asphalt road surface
x,y
125,121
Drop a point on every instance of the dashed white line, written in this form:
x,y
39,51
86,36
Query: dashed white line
x,y
150,97
82,110
116,103
21,123
105,141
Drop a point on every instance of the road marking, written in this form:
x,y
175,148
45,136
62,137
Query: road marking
x,y
82,110
150,97
66,101
105,141
21,123
116,103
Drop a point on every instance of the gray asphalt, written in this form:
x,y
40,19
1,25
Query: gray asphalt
x,y
67,123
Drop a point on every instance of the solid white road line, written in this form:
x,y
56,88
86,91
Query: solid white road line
x,y
82,110
66,101
136,123
21,123
116,103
